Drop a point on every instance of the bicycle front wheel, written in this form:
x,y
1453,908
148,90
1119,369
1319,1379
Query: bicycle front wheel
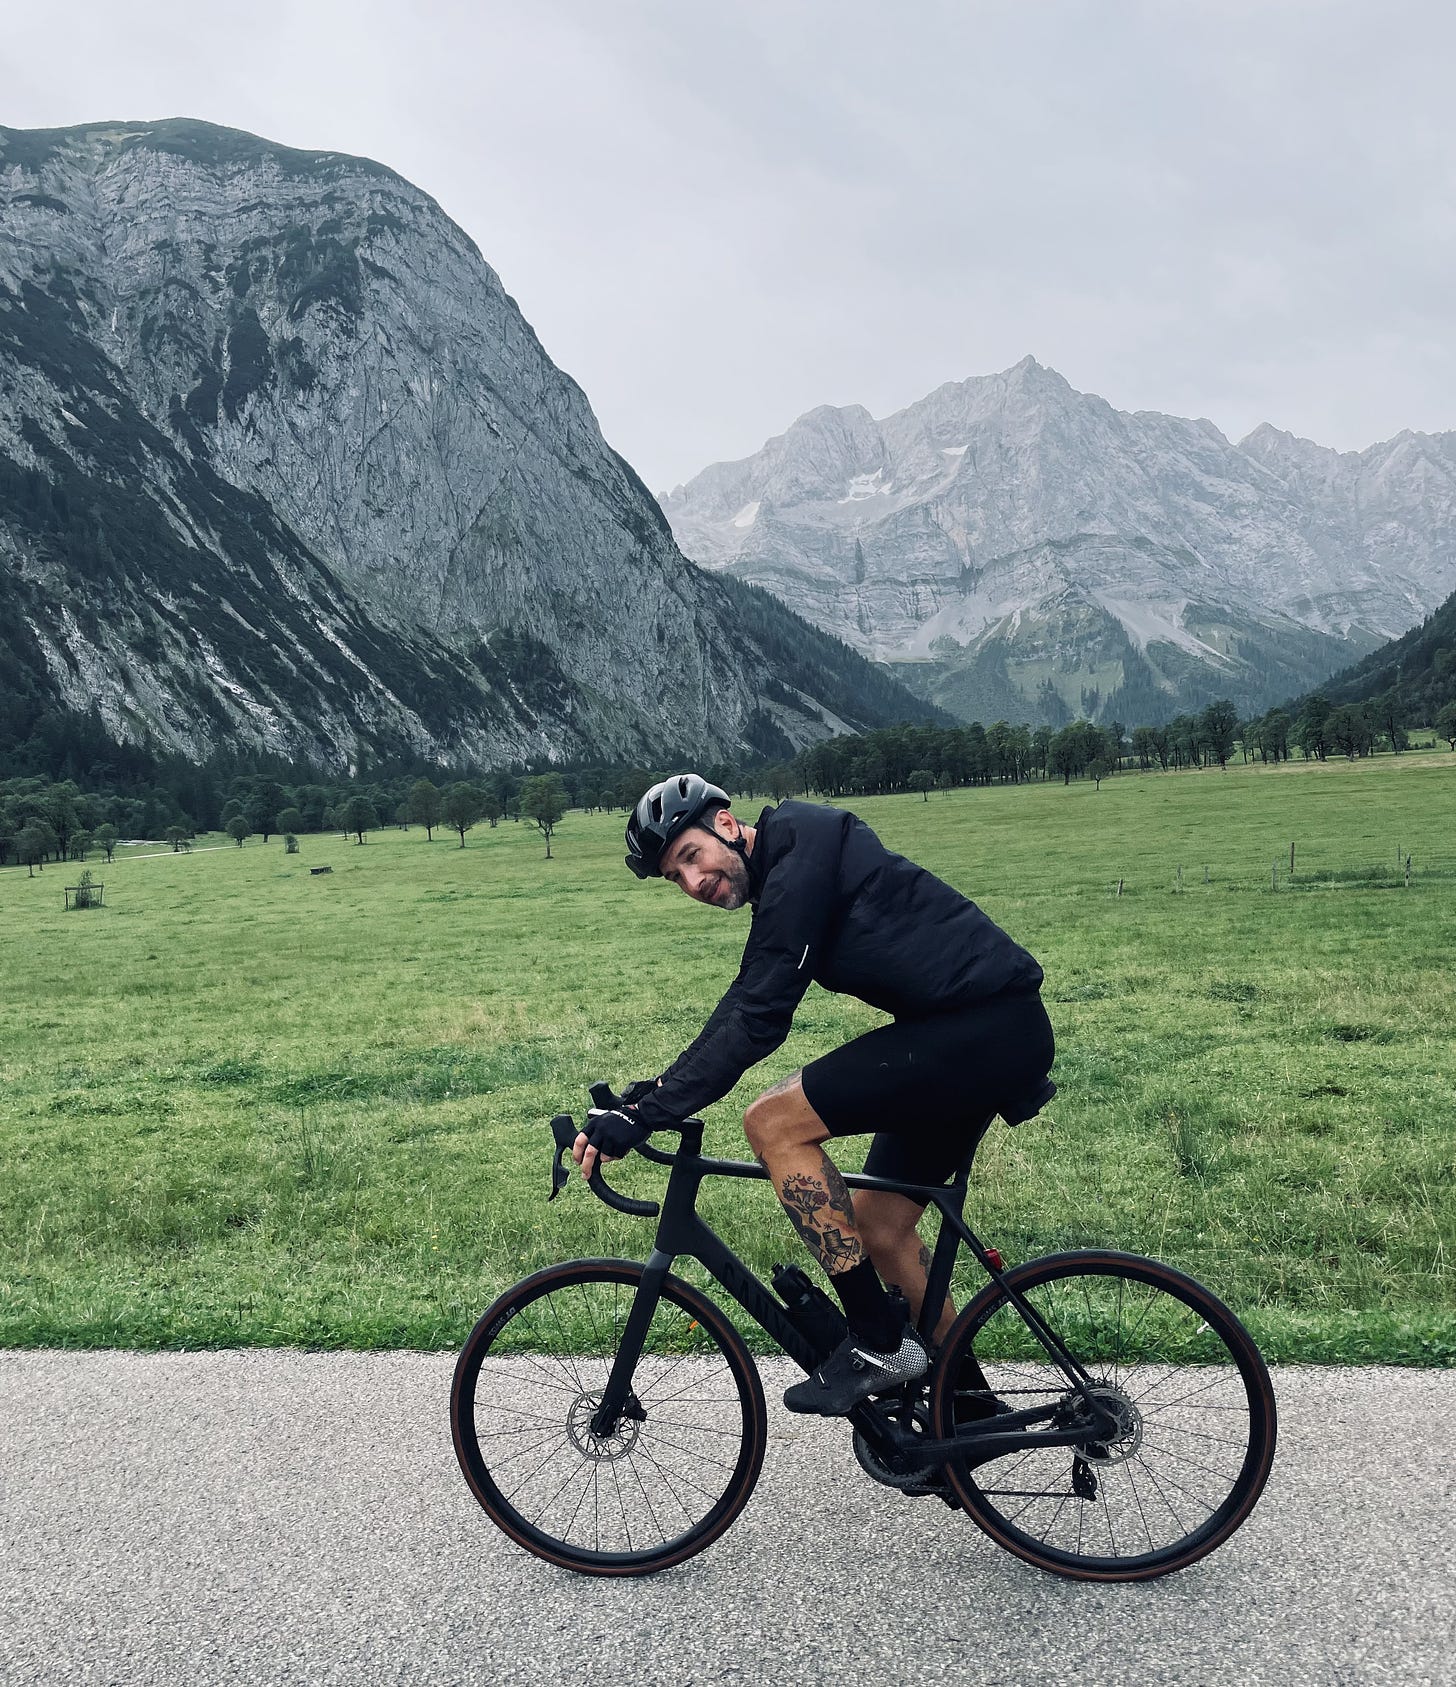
x,y
1181,1376
683,1459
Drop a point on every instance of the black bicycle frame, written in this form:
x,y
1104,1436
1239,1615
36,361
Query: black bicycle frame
x,y
682,1232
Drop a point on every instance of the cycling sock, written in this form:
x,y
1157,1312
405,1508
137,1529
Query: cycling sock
x,y
873,1317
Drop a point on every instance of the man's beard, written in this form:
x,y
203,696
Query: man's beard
x,y
735,875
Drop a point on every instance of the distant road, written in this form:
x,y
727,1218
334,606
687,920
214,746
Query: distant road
x,y
286,1517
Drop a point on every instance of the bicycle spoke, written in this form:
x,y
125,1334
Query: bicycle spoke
x,y
1182,1458
1127,1471
666,1482
1201,1435
570,1478
1192,1395
646,1498
1148,1472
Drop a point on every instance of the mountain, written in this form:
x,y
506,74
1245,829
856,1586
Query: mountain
x,y
283,468
1420,667
1019,548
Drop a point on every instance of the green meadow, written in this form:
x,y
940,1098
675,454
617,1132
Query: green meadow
x,y
243,1104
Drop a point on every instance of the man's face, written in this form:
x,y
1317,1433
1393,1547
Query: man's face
x,y
700,863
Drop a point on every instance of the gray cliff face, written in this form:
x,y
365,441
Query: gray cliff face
x,y
1013,542
286,468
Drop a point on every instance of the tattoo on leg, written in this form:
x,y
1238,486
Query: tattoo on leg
x,y
820,1210
925,1259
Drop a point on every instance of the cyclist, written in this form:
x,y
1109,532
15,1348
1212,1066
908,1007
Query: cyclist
x,y
832,904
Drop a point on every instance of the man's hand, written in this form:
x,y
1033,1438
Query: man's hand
x,y
610,1132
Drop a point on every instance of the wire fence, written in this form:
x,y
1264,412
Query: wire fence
x,y
1303,873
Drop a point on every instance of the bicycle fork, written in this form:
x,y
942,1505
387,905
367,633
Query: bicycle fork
x,y
618,1400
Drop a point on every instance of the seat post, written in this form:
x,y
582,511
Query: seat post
x,y
963,1171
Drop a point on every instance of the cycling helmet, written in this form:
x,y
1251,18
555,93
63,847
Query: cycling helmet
x,y
664,811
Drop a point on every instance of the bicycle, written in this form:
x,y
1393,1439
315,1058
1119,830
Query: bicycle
x,y
611,1420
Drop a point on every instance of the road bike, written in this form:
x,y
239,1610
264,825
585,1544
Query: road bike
x,y
1100,1415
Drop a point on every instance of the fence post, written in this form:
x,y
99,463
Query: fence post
x,y
1205,873
1291,861
1180,881
1274,876
1119,887
1407,872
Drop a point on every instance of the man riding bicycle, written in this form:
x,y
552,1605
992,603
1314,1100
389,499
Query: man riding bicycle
x,y
968,1034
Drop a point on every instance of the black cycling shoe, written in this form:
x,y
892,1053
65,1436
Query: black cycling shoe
x,y
853,1372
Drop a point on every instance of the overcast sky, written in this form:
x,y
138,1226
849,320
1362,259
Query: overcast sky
x,y
720,213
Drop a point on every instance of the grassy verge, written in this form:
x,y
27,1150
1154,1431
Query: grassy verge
x,y
246,1105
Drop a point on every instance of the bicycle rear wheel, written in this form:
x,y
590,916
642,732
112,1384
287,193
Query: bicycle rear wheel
x,y
1189,1389
682,1461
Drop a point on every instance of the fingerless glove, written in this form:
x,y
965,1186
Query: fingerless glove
x,y
614,1131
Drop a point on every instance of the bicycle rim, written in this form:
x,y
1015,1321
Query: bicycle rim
x,y
1191,1393
667,1482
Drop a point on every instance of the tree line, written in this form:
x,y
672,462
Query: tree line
x,y
43,820
924,758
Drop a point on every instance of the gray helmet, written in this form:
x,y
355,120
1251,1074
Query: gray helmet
x,y
663,812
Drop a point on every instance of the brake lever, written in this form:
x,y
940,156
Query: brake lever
x,y
563,1128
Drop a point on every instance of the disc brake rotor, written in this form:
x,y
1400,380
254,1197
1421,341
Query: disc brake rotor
x,y
599,1447
1125,1440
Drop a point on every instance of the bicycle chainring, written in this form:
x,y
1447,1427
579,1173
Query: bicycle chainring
x,y
926,1480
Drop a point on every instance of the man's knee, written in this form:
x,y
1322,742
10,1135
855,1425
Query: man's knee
x,y
763,1125
782,1118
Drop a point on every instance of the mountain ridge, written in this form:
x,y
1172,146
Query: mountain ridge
x,y
284,468
1011,525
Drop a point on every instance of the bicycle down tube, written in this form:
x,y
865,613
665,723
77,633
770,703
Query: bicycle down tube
x,y
682,1232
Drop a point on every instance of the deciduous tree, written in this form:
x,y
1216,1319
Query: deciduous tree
x,y
30,847
543,803
425,806
462,807
358,816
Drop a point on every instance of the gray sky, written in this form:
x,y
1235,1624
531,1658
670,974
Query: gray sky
x,y
718,215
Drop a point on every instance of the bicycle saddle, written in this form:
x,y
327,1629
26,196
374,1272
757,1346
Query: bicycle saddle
x,y
1027,1106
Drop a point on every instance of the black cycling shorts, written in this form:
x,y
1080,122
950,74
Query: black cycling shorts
x,y
922,1086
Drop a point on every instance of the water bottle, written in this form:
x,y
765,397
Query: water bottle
x,y
816,1317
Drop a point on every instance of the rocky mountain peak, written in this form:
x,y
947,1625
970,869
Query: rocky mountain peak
x,y
285,468
1020,546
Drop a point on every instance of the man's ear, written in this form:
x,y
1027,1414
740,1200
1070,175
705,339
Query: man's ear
x,y
726,825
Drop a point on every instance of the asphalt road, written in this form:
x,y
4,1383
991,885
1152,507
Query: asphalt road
x,y
283,1517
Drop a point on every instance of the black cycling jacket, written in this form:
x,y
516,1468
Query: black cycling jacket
x,y
832,904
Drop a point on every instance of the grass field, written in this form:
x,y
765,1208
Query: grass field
x,y
241,1104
